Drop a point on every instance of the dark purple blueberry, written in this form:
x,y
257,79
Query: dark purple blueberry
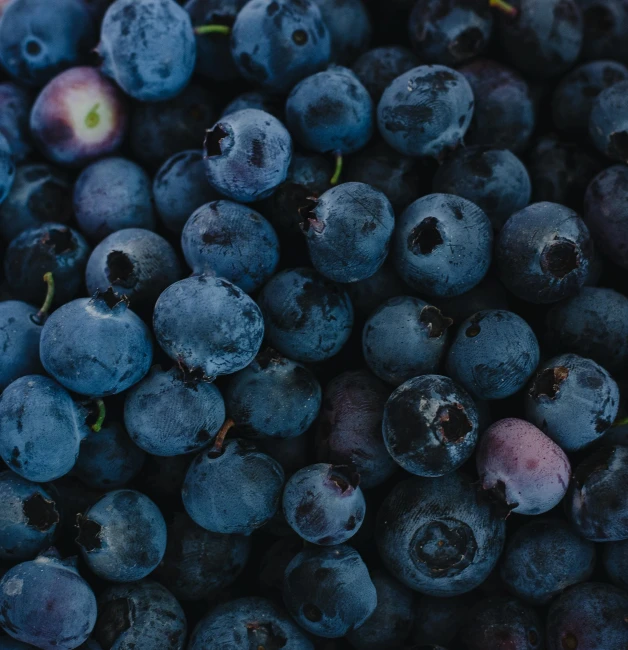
x,y
437,620
367,295
378,67
615,558
605,24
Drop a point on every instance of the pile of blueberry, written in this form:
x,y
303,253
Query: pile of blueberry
x,y
314,324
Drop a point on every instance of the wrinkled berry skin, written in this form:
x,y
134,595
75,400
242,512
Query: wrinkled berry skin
x,y
122,536
403,338
350,427
168,413
426,111
40,39
378,67
605,23
148,48
250,488
209,325
41,428
349,26
46,603
348,231
7,168
307,317
247,155
137,263
522,468
436,537
588,616
608,126
50,248
494,179
615,558
96,346
248,623
329,591
273,397
430,425
543,558
493,354
598,498
15,108
276,43
232,241
323,504
442,245
573,400
142,615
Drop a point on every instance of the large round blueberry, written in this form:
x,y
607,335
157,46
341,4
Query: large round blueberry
x,y
349,27
605,23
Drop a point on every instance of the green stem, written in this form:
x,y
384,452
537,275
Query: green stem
x,y
338,170
50,294
502,5
97,426
620,422
212,29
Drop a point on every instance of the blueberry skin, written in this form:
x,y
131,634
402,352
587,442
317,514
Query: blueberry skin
x,y
403,338
348,231
250,488
247,155
426,111
50,248
261,100
28,518
15,108
367,295
442,245
436,537
543,558
199,564
39,39
110,195
276,43
41,428
349,26
169,413
494,179
545,38
19,338
46,603
608,127
148,48
324,504
449,33
329,591
248,623
7,168
209,325
180,187
605,23
596,501
307,317
504,115
273,397
96,346
122,536
573,400
40,194
615,561
378,67
142,615
330,111
232,241
137,263
588,616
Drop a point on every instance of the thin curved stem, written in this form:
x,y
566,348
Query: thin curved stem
x,y
97,426
338,169
212,29
50,295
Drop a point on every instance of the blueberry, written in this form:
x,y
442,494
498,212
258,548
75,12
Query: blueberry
x,y
494,179
122,536
367,295
605,23
180,187
261,100
276,43
436,537
46,603
615,562
438,620
543,558
273,397
232,241
39,39
405,337
7,168
250,488
148,48
247,155
376,68
41,428
208,325
246,623
426,111
110,195
171,412
329,591
137,263
608,127
15,108
307,317
350,427
443,245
